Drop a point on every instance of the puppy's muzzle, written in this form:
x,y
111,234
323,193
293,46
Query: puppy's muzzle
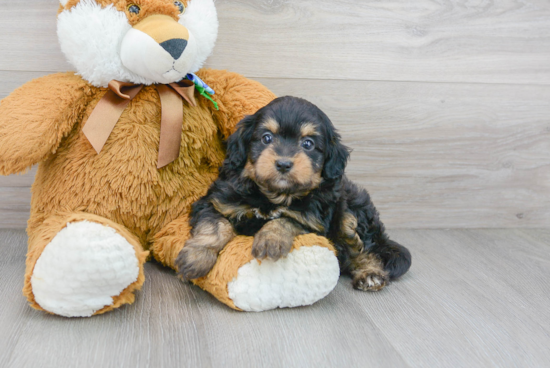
x,y
284,165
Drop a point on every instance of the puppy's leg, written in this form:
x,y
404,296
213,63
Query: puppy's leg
x,y
274,240
374,265
366,269
395,257
211,232
368,254
368,272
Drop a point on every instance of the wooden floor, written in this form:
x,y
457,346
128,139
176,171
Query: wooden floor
x,y
473,298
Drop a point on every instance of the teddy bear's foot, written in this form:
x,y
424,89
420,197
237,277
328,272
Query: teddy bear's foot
x,y
85,269
307,274
82,269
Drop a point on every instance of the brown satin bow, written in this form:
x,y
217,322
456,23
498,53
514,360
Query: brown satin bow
x,y
106,114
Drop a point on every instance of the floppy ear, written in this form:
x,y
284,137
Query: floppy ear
x,y
336,156
238,144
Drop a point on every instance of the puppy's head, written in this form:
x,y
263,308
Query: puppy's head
x,y
288,148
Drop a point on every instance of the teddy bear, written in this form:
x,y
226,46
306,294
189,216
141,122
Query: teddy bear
x,y
125,146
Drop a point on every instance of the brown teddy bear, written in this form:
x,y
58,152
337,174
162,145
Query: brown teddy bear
x,y
126,145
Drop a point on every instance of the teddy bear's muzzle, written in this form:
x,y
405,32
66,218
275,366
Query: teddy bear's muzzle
x,y
162,29
158,48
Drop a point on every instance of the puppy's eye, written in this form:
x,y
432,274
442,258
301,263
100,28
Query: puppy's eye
x,y
267,138
308,144
133,9
180,6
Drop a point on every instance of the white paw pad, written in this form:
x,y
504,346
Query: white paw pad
x,y
82,269
305,276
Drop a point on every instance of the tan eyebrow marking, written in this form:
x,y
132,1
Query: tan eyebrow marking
x,y
272,125
309,129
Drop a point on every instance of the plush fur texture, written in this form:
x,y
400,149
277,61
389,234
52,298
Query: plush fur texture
x,y
284,176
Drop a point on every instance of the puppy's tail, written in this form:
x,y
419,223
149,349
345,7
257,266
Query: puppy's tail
x,y
396,258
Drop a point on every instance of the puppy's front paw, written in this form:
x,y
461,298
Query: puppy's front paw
x,y
195,261
268,244
370,281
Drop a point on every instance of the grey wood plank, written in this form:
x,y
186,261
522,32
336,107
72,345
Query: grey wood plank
x,y
28,38
23,180
10,80
331,333
432,155
15,206
474,291
453,41
13,308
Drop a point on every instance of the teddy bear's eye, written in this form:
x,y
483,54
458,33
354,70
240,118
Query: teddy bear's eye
x,y
133,9
180,6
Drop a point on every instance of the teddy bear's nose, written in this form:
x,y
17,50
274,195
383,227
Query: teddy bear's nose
x,y
175,47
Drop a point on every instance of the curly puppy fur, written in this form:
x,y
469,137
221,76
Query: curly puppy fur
x,y
283,176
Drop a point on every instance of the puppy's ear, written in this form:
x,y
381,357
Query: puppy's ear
x,y
238,144
336,155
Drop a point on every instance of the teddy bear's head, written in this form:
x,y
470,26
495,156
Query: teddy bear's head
x,y
137,41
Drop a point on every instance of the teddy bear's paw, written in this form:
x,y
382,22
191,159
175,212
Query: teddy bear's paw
x,y
305,276
370,281
80,271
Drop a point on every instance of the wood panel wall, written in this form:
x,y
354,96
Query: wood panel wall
x,y
446,103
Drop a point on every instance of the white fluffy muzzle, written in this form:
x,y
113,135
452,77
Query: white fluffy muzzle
x,y
142,55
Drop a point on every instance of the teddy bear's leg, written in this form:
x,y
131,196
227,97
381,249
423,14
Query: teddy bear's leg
x,y
309,273
79,265
168,243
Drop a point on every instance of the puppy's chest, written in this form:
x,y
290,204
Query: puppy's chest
x,y
251,219
271,214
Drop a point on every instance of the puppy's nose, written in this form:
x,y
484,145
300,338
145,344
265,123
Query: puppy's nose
x,y
175,47
284,166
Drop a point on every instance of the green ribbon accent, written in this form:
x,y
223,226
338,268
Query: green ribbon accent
x,y
203,92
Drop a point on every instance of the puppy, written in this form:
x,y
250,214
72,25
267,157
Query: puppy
x,y
284,176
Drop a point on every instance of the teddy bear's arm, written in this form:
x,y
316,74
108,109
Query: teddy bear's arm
x,y
236,96
35,118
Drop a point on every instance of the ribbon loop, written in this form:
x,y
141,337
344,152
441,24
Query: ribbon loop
x,y
108,110
186,89
125,90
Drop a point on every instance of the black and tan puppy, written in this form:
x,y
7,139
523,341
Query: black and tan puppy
x,y
284,176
